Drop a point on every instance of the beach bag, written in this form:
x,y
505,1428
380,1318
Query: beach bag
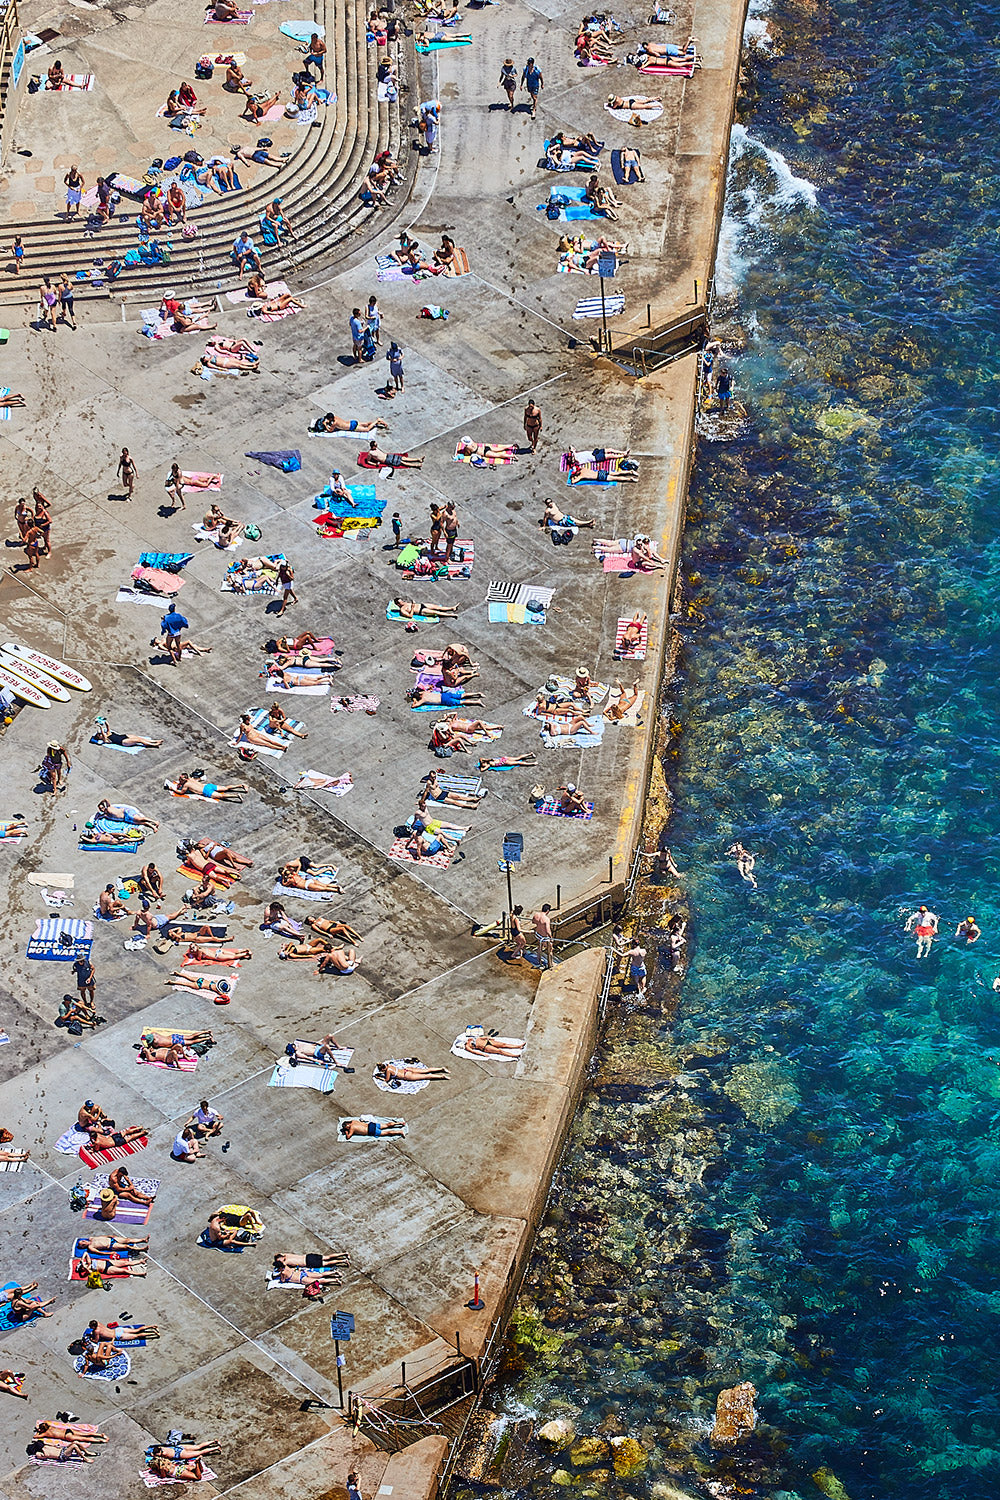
x,y
204,69
251,532
552,210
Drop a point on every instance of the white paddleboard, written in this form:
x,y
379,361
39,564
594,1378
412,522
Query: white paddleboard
x,y
50,664
35,676
22,689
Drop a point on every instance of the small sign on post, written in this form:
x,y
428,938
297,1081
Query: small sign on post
x,y
341,1328
606,266
513,849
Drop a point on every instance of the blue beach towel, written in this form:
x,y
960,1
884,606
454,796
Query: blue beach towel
x,y
364,494
288,460
170,562
47,940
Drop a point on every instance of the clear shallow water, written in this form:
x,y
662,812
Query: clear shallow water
x,y
813,1205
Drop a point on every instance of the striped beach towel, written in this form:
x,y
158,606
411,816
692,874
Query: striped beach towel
x,y
634,653
92,1156
550,806
590,307
60,939
4,410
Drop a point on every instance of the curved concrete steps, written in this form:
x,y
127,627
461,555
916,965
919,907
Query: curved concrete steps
x,y
319,190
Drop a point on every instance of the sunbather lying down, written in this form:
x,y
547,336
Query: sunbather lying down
x,y
293,1271
493,1046
378,456
409,1072
246,734
105,1263
295,878
83,1432
230,354
351,1128
55,1450
103,1243
171,1056
313,1261
280,303
321,1053
221,988
410,607
193,786
555,517
632,101
487,451
632,634
448,697
332,423
205,953
165,1467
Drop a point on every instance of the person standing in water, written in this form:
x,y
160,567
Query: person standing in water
x,y
924,924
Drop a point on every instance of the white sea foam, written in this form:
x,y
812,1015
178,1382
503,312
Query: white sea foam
x,y
757,203
757,29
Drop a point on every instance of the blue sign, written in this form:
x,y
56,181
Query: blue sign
x,y
607,264
341,1327
513,847
17,65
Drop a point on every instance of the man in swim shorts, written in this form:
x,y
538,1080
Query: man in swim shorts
x,y
925,925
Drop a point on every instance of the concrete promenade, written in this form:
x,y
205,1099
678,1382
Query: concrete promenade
x,y
463,1190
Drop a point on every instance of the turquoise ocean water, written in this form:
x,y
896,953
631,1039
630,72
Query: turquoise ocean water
x,y
812,1204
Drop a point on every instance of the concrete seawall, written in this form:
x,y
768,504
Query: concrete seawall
x,y
464,1190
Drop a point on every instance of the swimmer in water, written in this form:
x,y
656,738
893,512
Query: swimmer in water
x,y
677,929
745,862
924,924
969,930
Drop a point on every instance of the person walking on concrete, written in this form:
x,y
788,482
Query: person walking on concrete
x,y
17,251
533,82
286,578
508,81
533,424
66,302
47,302
127,471
173,626
542,923
394,355
86,978
354,1486
357,324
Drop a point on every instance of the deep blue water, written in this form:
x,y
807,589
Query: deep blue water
x,y
813,1206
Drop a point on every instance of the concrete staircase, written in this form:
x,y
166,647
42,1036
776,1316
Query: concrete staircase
x,y
319,191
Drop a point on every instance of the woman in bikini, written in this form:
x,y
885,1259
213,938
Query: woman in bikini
x,y
339,961
632,634
492,1046
624,704
390,1072
201,953
432,791
409,607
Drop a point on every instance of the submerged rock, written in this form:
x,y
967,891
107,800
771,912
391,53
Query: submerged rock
x,y
587,1453
662,1489
628,1456
562,1477
558,1434
826,1480
735,1415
